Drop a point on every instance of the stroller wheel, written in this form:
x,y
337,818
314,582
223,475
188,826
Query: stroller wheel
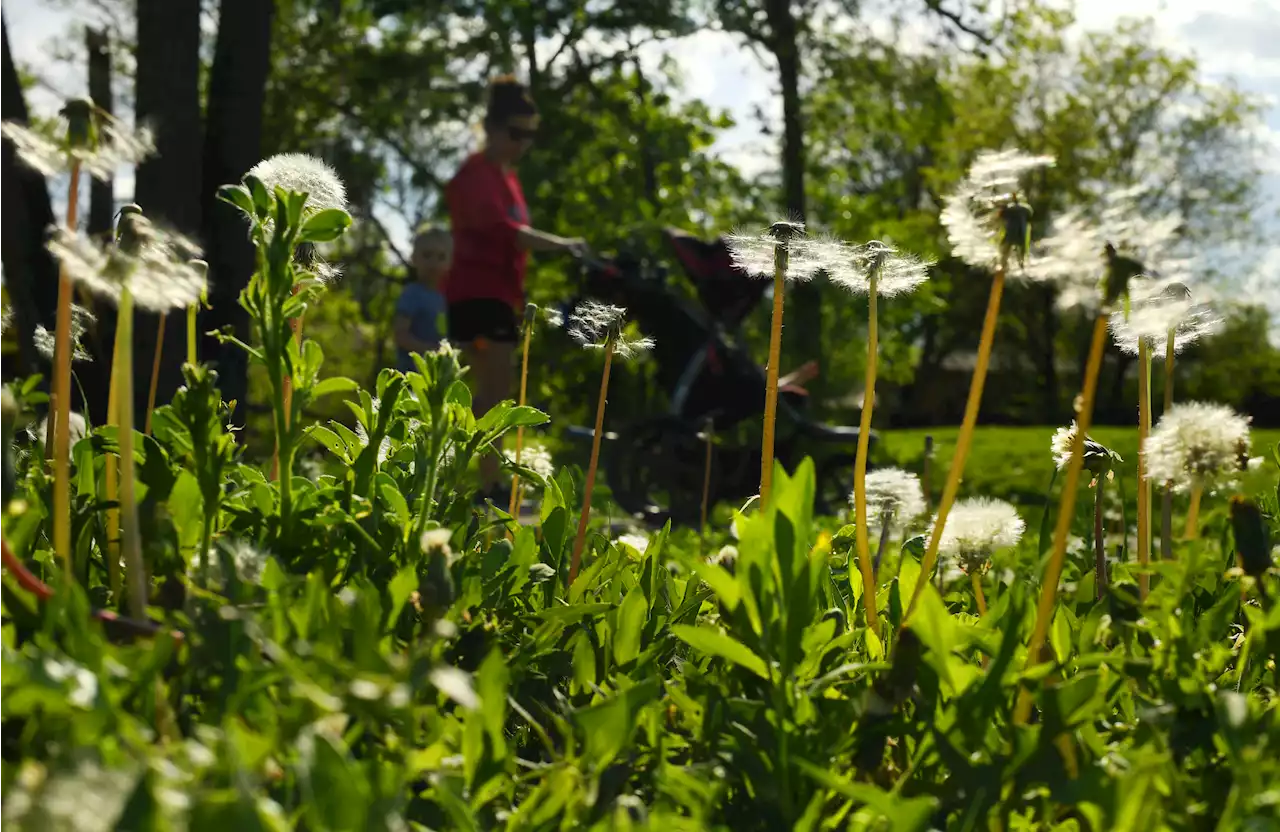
x,y
658,474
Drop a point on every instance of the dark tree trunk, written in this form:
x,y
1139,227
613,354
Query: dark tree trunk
x,y
31,275
101,335
233,144
804,334
168,183
101,194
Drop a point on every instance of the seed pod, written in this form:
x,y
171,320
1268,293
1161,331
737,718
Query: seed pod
x,y
1253,547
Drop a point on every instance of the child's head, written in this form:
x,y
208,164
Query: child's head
x,y
432,253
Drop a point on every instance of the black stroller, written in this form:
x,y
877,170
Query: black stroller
x,y
655,464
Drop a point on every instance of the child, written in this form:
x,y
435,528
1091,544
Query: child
x,y
421,311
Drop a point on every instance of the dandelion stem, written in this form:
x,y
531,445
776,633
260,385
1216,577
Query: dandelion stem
x,y
1066,511
111,465
1192,531
192,312
132,545
860,466
886,521
771,374
1166,495
965,439
1099,542
976,579
926,471
524,387
1144,483
590,483
155,372
62,394
295,324
706,474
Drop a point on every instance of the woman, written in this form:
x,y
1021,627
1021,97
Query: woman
x,y
491,240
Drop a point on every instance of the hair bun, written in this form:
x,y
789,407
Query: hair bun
x,y
508,97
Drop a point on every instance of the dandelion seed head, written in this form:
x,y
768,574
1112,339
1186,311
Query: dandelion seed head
x,y
893,495
304,174
157,269
895,271
1196,443
978,527
595,325
1098,459
537,459
117,146
553,317
1157,309
1073,255
755,253
45,341
384,446
1001,170
78,429
437,541
638,542
971,213
726,558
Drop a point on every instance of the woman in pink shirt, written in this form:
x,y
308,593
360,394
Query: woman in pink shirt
x,y
491,241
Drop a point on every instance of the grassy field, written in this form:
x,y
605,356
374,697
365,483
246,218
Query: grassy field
x,y
1013,463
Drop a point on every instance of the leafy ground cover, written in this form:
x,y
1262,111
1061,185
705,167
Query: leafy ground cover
x,y
366,647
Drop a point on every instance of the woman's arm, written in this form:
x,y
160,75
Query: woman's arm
x,y
531,239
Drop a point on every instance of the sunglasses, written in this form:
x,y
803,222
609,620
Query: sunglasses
x,y
521,134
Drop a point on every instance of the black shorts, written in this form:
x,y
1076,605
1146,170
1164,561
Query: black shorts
x,y
486,318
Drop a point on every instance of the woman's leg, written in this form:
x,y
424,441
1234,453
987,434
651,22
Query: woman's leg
x,y
491,365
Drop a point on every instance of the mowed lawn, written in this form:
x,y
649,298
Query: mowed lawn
x,y
1014,463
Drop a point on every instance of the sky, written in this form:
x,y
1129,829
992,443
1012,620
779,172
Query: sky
x,y
1232,39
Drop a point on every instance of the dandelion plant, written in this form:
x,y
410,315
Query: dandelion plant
x,y
1194,447
987,223
530,315
149,268
284,230
1068,253
893,498
323,191
600,327
1099,461
979,527
1161,321
875,269
769,255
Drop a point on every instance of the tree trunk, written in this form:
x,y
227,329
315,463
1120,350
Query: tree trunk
x,y
804,335
31,275
101,221
233,144
101,194
168,183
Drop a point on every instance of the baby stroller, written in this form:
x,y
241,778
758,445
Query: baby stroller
x,y
655,463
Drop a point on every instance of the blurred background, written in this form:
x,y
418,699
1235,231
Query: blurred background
x,y
700,115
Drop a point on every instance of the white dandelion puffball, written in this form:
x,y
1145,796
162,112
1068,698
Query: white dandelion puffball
x,y
1197,444
117,146
1071,255
638,542
893,495
756,253
977,528
894,271
303,174
158,271
971,213
596,325
537,459
45,341
78,428
1158,309
1098,459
